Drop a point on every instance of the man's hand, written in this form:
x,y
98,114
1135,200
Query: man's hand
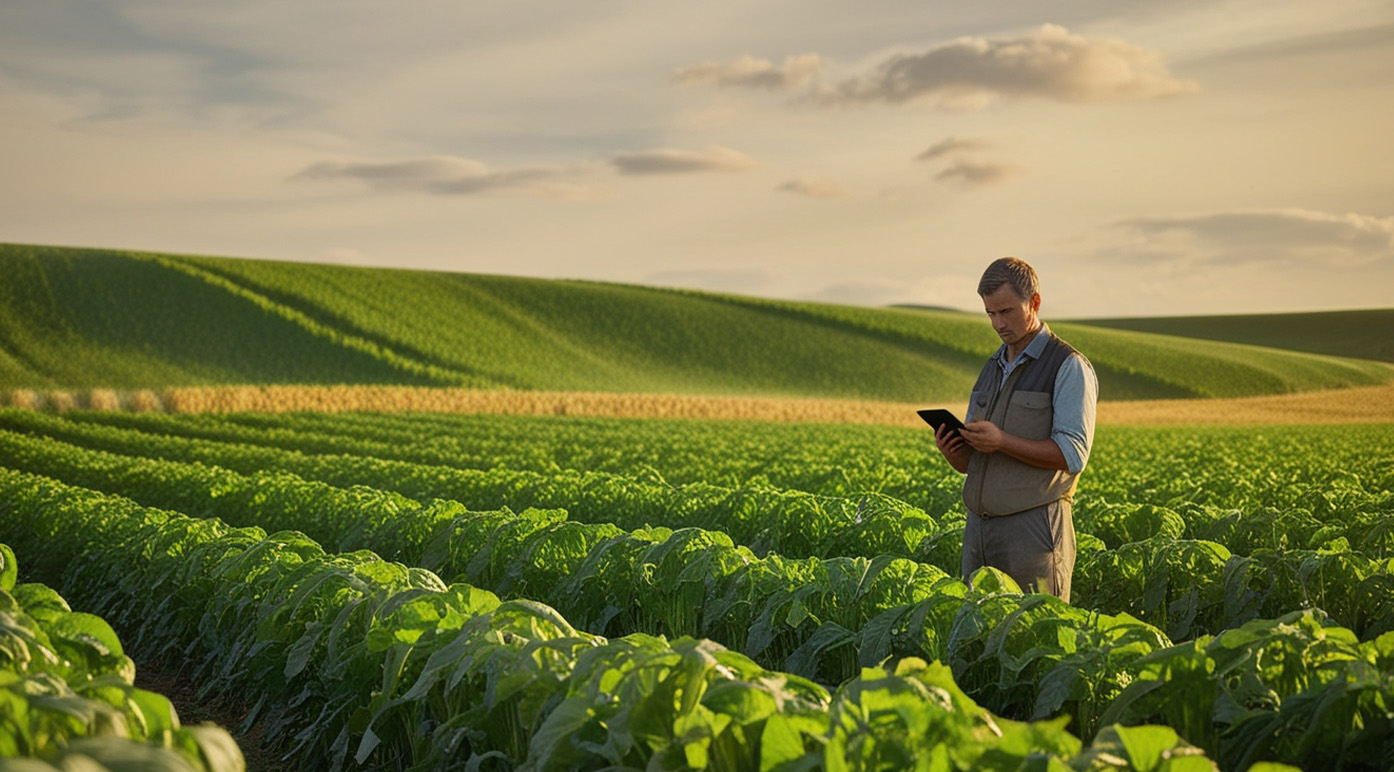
x,y
987,437
955,451
983,436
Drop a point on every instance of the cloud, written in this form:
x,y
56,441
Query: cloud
x,y
816,187
750,72
1267,236
1049,63
438,175
970,73
673,161
953,146
963,169
456,176
976,173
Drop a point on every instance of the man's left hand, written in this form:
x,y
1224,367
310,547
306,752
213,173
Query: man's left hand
x,y
983,436
987,437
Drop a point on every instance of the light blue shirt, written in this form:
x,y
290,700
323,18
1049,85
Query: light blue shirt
x,y
1076,393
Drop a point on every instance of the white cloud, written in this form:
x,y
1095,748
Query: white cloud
x,y
674,161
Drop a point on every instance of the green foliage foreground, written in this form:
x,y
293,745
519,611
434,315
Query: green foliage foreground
x,y
404,669
67,699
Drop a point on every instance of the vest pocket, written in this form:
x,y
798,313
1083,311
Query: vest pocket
x,y
1029,414
978,403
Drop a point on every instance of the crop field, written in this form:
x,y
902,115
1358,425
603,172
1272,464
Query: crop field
x,y
497,592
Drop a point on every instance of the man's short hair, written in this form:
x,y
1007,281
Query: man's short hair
x,y
1013,271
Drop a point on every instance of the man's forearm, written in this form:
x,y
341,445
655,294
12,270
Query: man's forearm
x,y
1045,454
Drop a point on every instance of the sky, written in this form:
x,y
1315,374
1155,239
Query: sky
x,y
1147,158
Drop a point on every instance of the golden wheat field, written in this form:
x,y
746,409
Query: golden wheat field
x,y
1355,405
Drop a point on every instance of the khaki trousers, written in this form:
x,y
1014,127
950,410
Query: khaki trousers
x,y
1035,547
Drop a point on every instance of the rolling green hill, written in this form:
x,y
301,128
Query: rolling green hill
x,y
80,318
1363,334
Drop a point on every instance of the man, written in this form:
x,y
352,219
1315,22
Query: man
x,y
1029,427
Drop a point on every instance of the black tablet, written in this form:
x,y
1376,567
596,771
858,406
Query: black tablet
x,y
938,417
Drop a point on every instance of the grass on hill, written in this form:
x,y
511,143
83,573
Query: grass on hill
x,y
75,318
1361,334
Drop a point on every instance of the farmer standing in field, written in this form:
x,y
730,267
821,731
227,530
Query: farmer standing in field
x,y
1028,430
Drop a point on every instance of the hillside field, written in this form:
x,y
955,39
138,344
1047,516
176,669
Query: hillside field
x,y
1363,334
87,319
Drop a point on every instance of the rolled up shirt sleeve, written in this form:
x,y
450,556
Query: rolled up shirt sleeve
x,y
1076,393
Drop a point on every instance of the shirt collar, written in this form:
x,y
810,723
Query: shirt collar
x,y
1032,351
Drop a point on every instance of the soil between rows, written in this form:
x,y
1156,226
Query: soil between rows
x,y
193,709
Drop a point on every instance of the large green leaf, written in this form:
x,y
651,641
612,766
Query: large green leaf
x,y
119,755
40,601
216,749
89,643
9,568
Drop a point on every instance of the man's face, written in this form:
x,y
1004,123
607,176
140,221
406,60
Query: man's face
x,y
1013,319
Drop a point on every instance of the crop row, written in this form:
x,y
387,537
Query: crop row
x,y
68,699
806,457
353,657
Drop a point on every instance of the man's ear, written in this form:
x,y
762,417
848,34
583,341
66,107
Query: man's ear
x,y
1035,302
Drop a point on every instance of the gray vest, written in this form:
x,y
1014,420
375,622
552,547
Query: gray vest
x,y
998,484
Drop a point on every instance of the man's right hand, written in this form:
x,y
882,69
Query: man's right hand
x,y
953,448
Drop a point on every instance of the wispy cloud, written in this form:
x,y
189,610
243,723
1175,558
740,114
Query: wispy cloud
x,y
963,167
976,173
1262,236
953,146
816,187
750,72
971,72
439,175
675,161
457,176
